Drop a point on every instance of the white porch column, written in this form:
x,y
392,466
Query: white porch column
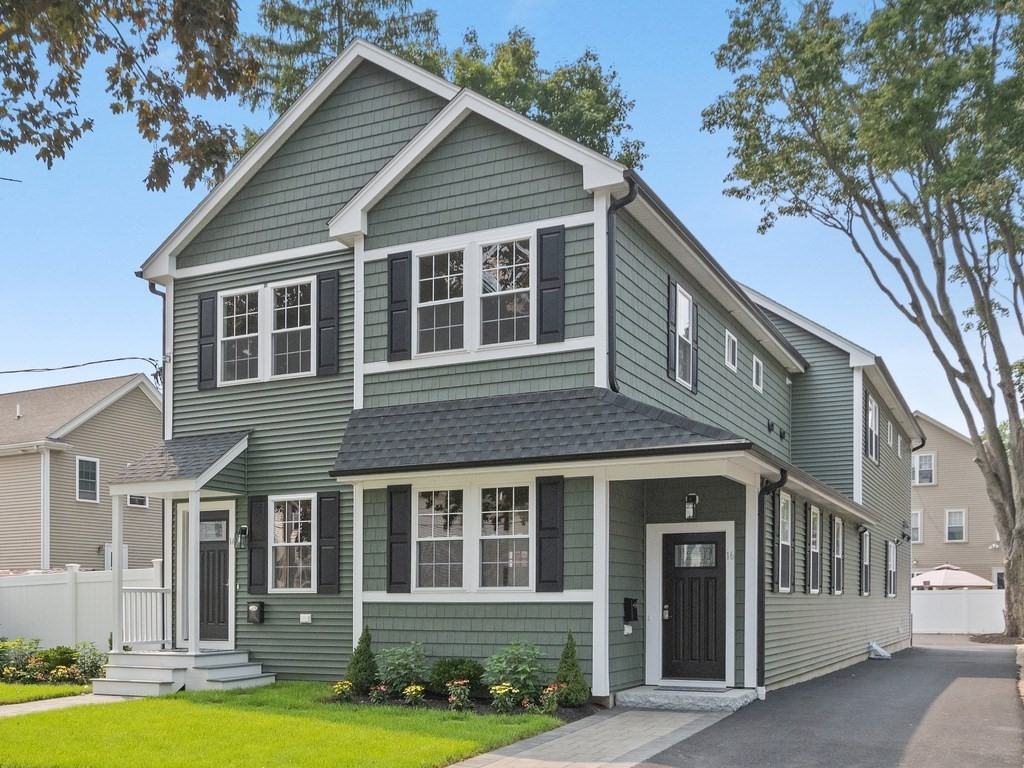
x,y
600,683
117,575
750,577
193,572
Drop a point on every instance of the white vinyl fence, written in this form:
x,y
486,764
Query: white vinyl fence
x,y
66,608
957,611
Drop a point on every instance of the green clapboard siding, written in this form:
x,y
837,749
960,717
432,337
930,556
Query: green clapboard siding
x,y
724,397
578,552
822,434
887,482
579,294
808,635
478,630
333,154
539,373
626,551
481,176
231,479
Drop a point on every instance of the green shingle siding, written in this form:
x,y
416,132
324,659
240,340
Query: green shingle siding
x,y
626,546
335,152
887,482
481,176
231,479
724,397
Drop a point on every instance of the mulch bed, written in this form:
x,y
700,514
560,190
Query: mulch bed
x,y
997,639
482,706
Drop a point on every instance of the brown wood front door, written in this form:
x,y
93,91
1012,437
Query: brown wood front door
x,y
693,606
214,576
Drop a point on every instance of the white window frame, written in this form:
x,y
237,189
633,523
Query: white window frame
x,y
265,331
899,445
732,344
682,294
531,551
865,564
472,292
874,429
948,540
757,373
78,479
916,513
416,537
472,525
785,564
815,547
890,568
838,555
128,501
915,468
313,536
889,433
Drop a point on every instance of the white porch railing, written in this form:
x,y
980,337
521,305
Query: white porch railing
x,y
144,612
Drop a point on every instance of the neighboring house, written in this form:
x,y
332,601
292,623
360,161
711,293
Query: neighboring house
x,y
439,371
59,449
952,520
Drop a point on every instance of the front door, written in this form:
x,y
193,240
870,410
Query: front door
x,y
693,610
214,578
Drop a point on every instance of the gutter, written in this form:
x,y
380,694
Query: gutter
x,y
765,490
616,204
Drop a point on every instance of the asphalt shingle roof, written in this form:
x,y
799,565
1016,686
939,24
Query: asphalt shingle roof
x,y
564,424
182,458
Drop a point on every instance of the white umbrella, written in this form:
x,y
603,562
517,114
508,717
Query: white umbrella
x,y
948,577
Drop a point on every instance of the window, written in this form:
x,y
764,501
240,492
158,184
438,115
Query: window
x,y
439,538
441,309
757,368
837,556
292,537
784,567
505,289
256,345
956,525
999,578
505,536
88,486
890,569
889,433
138,501
872,433
865,563
814,547
923,469
915,527
684,338
732,351
899,445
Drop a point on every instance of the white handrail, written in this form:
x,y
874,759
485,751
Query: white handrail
x,y
143,622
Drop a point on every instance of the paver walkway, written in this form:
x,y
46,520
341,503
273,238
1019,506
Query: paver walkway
x,y
615,738
8,710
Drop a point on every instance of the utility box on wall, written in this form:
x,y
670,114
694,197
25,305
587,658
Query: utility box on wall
x,y
254,612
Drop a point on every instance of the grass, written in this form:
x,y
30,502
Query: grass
x,y
19,694
286,724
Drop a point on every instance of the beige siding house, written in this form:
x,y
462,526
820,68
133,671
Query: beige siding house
x,y
951,516
59,449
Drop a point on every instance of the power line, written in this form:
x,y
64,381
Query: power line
x,y
150,360
5,178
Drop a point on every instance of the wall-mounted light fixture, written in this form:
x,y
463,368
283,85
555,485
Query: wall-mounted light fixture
x,y
782,434
771,426
690,506
242,537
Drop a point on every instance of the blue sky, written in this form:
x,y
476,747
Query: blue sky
x,y
74,235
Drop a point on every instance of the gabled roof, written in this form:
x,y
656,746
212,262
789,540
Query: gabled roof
x,y
184,463
50,413
944,427
874,366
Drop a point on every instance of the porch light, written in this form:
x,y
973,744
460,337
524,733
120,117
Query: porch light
x,y
242,537
690,506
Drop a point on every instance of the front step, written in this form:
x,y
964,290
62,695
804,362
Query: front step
x,y
152,674
135,688
682,700
230,682
161,672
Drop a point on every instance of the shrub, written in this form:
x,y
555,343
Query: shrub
x,y
398,668
343,690
518,665
15,653
362,667
62,674
58,656
505,698
379,694
458,695
413,695
576,692
549,698
446,669
90,660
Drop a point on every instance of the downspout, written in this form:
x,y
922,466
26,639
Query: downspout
x,y
616,204
163,385
765,490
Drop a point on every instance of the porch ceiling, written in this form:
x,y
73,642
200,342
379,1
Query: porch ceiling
x,y
180,464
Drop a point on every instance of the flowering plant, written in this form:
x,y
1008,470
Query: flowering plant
x,y
505,698
343,690
458,695
413,695
549,698
379,694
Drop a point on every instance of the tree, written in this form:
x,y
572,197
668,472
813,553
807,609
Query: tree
x,y
903,131
45,46
301,37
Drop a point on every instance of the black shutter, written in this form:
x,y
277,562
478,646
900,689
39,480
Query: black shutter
x,y
400,306
808,554
327,544
887,579
257,545
550,517
672,344
399,538
693,350
551,285
207,363
327,323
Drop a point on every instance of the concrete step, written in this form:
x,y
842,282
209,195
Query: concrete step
x,y
104,687
682,700
229,682
132,672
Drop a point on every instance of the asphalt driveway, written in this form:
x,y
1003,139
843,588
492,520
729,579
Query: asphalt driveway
x,y
945,702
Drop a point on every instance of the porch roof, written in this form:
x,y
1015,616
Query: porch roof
x,y
569,424
180,464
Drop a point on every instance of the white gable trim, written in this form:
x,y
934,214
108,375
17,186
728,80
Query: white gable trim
x,y
139,381
920,416
160,264
598,171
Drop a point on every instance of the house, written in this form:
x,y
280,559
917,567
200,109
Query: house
x,y
438,371
952,519
59,449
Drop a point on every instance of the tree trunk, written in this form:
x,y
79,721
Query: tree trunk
x,y
1014,579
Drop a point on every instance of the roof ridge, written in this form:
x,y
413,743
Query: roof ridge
x,y
71,384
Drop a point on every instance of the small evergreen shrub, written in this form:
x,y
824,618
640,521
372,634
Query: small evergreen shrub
x,y
398,668
576,692
447,669
362,666
58,656
518,666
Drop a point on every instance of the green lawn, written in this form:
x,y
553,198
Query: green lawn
x,y
281,725
18,694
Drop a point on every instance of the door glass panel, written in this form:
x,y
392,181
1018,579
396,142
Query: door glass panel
x,y
695,555
214,530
